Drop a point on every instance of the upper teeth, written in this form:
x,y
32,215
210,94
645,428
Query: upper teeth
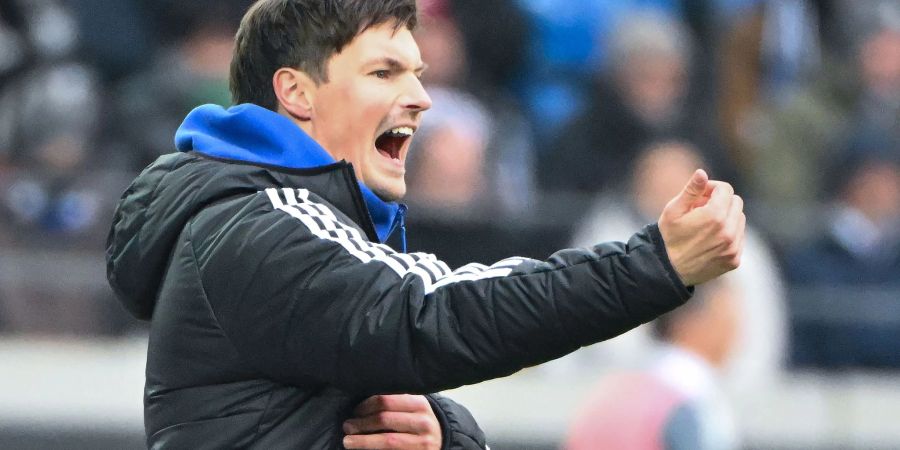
x,y
404,131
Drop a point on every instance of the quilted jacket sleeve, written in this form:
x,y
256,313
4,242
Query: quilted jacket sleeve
x,y
305,298
460,430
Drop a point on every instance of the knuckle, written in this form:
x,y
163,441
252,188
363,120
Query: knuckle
x,y
732,260
726,238
420,423
716,223
352,425
431,442
719,212
722,214
421,402
388,402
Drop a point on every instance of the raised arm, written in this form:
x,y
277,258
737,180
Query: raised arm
x,y
323,305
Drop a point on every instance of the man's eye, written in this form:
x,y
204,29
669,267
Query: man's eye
x,y
383,74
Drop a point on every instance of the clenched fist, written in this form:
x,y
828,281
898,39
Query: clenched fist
x,y
703,229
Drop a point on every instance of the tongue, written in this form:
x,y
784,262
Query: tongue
x,y
389,146
385,153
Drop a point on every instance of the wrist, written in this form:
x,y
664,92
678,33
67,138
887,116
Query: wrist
x,y
665,257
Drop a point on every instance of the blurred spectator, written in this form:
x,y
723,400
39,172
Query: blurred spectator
x,y
36,38
659,174
568,46
49,116
770,50
116,36
790,46
450,154
791,144
861,244
494,43
676,402
468,157
120,38
175,20
860,251
54,193
150,105
878,109
645,96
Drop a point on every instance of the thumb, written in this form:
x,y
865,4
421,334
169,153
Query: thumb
x,y
692,192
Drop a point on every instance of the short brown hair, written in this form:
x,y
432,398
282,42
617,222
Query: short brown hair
x,y
302,34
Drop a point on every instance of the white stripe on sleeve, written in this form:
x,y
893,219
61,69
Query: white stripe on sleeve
x,y
324,224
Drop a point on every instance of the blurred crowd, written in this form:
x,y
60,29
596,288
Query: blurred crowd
x,y
555,123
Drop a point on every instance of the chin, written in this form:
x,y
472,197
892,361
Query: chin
x,y
390,193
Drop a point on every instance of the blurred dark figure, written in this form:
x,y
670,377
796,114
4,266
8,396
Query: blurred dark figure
x,y
120,37
676,402
470,168
54,189
878,108
792,141
469,156
49,117
447,172
568,42
494,43
643,97
858,254
116,36
193,70
768,52
860,244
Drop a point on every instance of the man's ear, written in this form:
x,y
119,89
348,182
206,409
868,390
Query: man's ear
x,y
295,91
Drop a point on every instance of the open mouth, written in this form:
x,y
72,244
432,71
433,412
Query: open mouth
x,y
391,142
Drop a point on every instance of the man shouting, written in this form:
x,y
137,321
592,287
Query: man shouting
x,y
279,319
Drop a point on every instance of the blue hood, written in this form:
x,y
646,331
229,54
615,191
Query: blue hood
x,y
255,134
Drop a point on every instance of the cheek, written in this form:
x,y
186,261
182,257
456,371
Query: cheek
x,y
365,113
370,111
344,116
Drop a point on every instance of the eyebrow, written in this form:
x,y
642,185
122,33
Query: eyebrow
x,y
395,64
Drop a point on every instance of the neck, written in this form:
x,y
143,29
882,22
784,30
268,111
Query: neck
x,y
304,124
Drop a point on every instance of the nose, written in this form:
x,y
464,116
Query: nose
x,y
415,98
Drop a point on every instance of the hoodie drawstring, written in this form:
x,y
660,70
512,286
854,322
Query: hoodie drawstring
x,y
401,217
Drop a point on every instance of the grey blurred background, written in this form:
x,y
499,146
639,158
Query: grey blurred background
x,y
555,123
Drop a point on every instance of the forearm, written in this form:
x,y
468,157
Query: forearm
x,y
309,311
475,330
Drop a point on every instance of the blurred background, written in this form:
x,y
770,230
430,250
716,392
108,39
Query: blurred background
x,y
556,123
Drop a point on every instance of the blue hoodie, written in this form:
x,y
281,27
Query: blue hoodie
x,y
257,135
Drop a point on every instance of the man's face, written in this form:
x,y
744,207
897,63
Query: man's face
x,y
371,105
653,87
881,64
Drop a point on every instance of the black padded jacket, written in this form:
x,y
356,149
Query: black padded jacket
x,y
275,310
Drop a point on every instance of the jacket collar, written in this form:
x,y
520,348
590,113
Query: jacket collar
x,y
256,135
